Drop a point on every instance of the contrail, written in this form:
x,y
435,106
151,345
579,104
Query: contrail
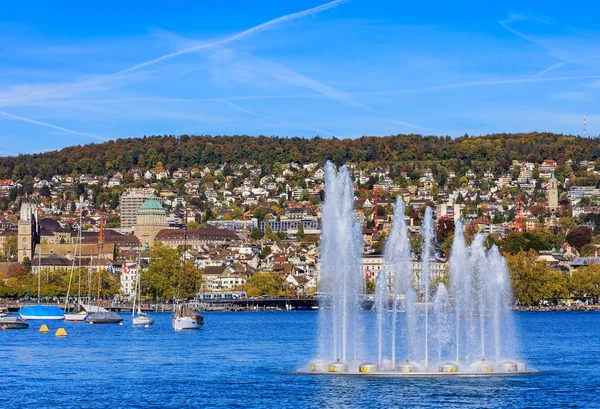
x,y
238,36
547,70
480,84
203,46
47,125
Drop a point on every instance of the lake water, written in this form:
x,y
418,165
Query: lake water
x,y
249,360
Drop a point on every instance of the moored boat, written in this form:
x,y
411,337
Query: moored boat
x,y
142,319
41,312
3,311
104,317
79,316
13,323
186,318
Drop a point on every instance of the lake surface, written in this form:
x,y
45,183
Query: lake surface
x,y
249,359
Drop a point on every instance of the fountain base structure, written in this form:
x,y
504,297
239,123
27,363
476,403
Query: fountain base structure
x,y
409,369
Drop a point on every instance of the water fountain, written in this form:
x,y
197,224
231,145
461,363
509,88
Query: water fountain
x,y
341,277
461,328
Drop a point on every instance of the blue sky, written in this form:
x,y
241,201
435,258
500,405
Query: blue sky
x,y
81,72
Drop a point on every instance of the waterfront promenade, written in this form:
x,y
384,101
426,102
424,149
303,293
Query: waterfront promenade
x,y
267,303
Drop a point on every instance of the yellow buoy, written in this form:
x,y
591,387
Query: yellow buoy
x,y
44,329
61,332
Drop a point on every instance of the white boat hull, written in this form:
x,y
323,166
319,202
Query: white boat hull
x,y
183,323
42,317
143,321
75,317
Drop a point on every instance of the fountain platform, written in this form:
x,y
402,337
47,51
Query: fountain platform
x,y
397,374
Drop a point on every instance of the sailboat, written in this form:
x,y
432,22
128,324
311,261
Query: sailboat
x,y
39,311
81,313
183,316
102,317
142,318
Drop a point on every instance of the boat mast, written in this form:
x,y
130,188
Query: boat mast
x,y
181,265
79,240
90,280
134,291
77,246
100,246
138,270
39,273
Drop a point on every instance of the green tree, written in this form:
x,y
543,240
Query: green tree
x,y
300,232
304,196
270,284
11,245
256,234
160,280
585,282
260,213
370,285
270,235
416,242
532,280
264,253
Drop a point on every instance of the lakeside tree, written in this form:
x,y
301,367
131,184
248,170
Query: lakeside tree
x,y
585,282
270,284
166,277
533,281
55,283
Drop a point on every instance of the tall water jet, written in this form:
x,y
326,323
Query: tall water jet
x,y
341,277
398,262
499,295
459,274
441,309
479,272
381,306
426,253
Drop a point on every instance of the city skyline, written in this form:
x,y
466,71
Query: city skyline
x,y
339,68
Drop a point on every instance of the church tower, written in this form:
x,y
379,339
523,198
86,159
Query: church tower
x,y
28,229
552,195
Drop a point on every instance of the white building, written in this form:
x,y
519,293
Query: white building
x,y
129,278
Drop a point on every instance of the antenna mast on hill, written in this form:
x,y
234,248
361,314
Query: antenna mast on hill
x,y
584,128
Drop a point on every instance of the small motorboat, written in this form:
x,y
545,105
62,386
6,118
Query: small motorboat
x,y
104,317
3,311
13,323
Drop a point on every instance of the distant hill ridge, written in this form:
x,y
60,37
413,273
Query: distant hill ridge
x,y
188,151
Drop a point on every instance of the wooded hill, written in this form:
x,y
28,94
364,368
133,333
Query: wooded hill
x,y
482,152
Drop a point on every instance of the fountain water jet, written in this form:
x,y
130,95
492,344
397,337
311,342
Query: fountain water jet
x,y
341,277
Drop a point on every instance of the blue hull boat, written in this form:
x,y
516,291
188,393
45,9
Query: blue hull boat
x,y
41,312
